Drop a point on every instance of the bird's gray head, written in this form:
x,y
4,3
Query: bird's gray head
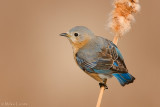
x,y
79,35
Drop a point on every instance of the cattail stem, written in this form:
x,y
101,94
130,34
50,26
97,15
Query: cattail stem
x,y
100,95
115,39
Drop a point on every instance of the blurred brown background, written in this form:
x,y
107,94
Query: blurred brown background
x,y
37,65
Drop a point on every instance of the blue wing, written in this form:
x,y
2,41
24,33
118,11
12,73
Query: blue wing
x,y
91,67
123,78
109,59
118,51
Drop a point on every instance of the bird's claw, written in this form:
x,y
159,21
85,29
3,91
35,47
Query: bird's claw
x,y
103,85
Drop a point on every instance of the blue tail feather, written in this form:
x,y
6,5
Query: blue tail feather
x,y
124,78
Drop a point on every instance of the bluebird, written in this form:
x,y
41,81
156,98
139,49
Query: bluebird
x,y
100,58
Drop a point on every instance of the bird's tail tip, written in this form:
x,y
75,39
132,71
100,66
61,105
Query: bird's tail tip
x,y
124,78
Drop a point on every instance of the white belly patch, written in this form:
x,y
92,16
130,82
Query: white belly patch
x,y
102,76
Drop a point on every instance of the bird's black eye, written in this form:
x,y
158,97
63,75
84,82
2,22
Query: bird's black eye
x,y
76,34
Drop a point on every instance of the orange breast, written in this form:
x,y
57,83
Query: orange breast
x,y
78,45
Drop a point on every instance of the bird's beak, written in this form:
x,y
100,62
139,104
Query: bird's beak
x,y
64,34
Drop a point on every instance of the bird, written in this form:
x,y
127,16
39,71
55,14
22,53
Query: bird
x,y
98,57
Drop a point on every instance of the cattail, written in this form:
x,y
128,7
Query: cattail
x,y
120,23
122,16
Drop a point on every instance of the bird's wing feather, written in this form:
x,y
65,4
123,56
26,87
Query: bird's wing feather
x,y
118,65
108,58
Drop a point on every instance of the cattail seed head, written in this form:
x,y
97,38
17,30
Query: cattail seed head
x,y
122,16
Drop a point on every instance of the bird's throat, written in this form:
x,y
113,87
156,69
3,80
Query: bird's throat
x,y
78,45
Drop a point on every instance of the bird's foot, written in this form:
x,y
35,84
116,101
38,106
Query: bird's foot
x,y
103,85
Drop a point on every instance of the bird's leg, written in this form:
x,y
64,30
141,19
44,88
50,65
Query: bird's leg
x,y
103,84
